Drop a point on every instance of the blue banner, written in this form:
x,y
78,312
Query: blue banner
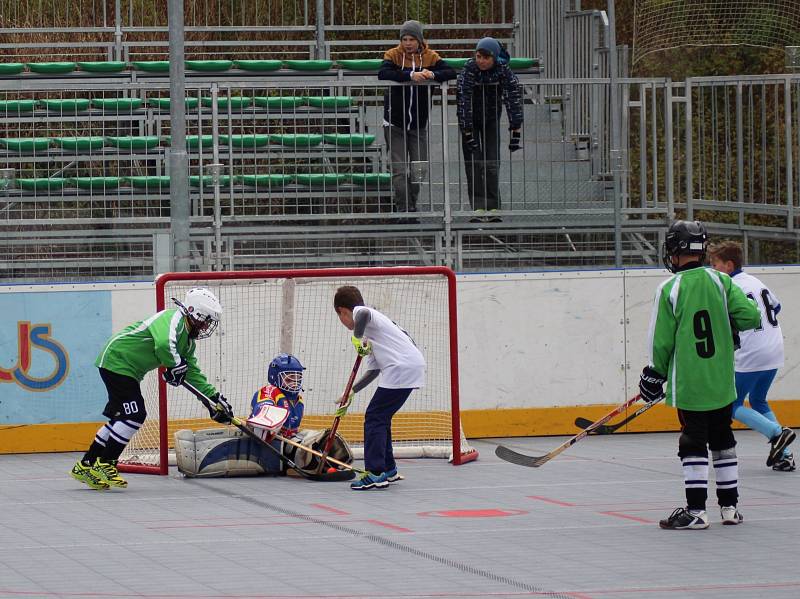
x,y
48,344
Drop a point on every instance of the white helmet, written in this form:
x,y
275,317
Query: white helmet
x,y
203,310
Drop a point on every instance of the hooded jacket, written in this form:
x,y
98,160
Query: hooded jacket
x,y
408,106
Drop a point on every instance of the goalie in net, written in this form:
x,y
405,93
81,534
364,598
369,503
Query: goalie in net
x,y
275,408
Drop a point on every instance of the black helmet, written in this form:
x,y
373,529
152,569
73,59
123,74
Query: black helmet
x,y
684,237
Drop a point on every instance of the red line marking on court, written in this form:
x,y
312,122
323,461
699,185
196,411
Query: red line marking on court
x,y
553,501
490,513
626,516
330,509
691,589
391,526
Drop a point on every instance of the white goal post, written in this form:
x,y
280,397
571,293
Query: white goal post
x,y
268,312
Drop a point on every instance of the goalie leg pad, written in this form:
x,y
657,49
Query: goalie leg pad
x,y
340,450
221,452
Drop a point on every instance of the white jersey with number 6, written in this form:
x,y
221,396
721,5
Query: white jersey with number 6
x,y
394,353
761,348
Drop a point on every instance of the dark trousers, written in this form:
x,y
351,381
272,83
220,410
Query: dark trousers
x,y
405,146
483,167
378,455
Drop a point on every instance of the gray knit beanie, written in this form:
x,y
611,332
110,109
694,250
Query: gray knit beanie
x,y
414,29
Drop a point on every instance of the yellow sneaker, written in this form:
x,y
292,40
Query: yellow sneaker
x,y
108,473
84,473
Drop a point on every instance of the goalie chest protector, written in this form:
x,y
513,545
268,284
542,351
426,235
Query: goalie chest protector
x,y
220,452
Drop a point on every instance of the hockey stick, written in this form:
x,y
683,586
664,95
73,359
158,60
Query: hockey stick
x,y
509,455
332,435
339,475
607,429
317,453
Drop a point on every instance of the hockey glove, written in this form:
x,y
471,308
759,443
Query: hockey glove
x,y
737,341
514,143
220,410
471,143
363,348
342,409
174,375
651,385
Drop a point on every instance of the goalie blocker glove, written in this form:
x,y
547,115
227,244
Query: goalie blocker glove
x,y
651,385
220,410
176,374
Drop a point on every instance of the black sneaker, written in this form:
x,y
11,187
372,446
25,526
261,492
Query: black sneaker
x,y
779,443
784,464
683,519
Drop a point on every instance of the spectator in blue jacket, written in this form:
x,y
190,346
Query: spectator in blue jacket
x,y
406,108
485,84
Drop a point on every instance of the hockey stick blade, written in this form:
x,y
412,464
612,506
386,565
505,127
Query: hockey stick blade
x,y
532,461
607,429
339,475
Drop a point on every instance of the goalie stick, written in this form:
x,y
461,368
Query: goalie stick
x,y
607,429
329,441
531,461
339,475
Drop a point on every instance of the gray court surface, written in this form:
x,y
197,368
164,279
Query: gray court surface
x,y
582,526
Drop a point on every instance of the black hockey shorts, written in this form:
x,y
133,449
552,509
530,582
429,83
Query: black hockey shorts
x,y
125,401
710,429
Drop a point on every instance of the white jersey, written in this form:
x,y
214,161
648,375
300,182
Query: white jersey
x,y
394,353
761,348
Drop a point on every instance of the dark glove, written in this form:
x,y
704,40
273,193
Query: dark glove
x,y
174,376
514,143
737,342
220,410
651,385
471,143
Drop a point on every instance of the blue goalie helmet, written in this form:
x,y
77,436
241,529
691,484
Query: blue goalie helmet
x,y
286,373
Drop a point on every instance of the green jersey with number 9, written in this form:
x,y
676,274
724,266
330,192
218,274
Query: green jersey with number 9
x,y
690,338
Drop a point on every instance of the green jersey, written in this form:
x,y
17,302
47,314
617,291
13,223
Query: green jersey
x,y
161,340
690,338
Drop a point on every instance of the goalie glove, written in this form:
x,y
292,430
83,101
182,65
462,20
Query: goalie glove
x,y
363,348
174,375
341,411
220,410
651,385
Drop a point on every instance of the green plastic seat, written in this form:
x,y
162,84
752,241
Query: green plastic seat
x,y
74,105
371,179
272,180
258,65
17,106
363,64
244,141
110,66
360,140
134,142
51,68
208,180
330,101
297,139
25,144
152,66
321,179
456,63
11,68
309,65
208,65
193,141
523,63
41,183
279,102
149,182
97,182
80,144
118,104
163,103
236,102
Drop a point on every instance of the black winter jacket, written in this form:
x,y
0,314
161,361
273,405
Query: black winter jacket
x,y
481,95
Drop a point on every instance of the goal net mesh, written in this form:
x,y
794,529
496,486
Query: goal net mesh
x,y
666,24
264,316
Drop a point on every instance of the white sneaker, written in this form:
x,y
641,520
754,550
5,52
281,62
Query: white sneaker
x,y
730,515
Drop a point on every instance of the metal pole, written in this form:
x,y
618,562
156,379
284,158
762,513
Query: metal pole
x,y
320,49
615,152
178,159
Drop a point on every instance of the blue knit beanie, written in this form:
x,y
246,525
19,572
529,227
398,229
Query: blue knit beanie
x,y
492,46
